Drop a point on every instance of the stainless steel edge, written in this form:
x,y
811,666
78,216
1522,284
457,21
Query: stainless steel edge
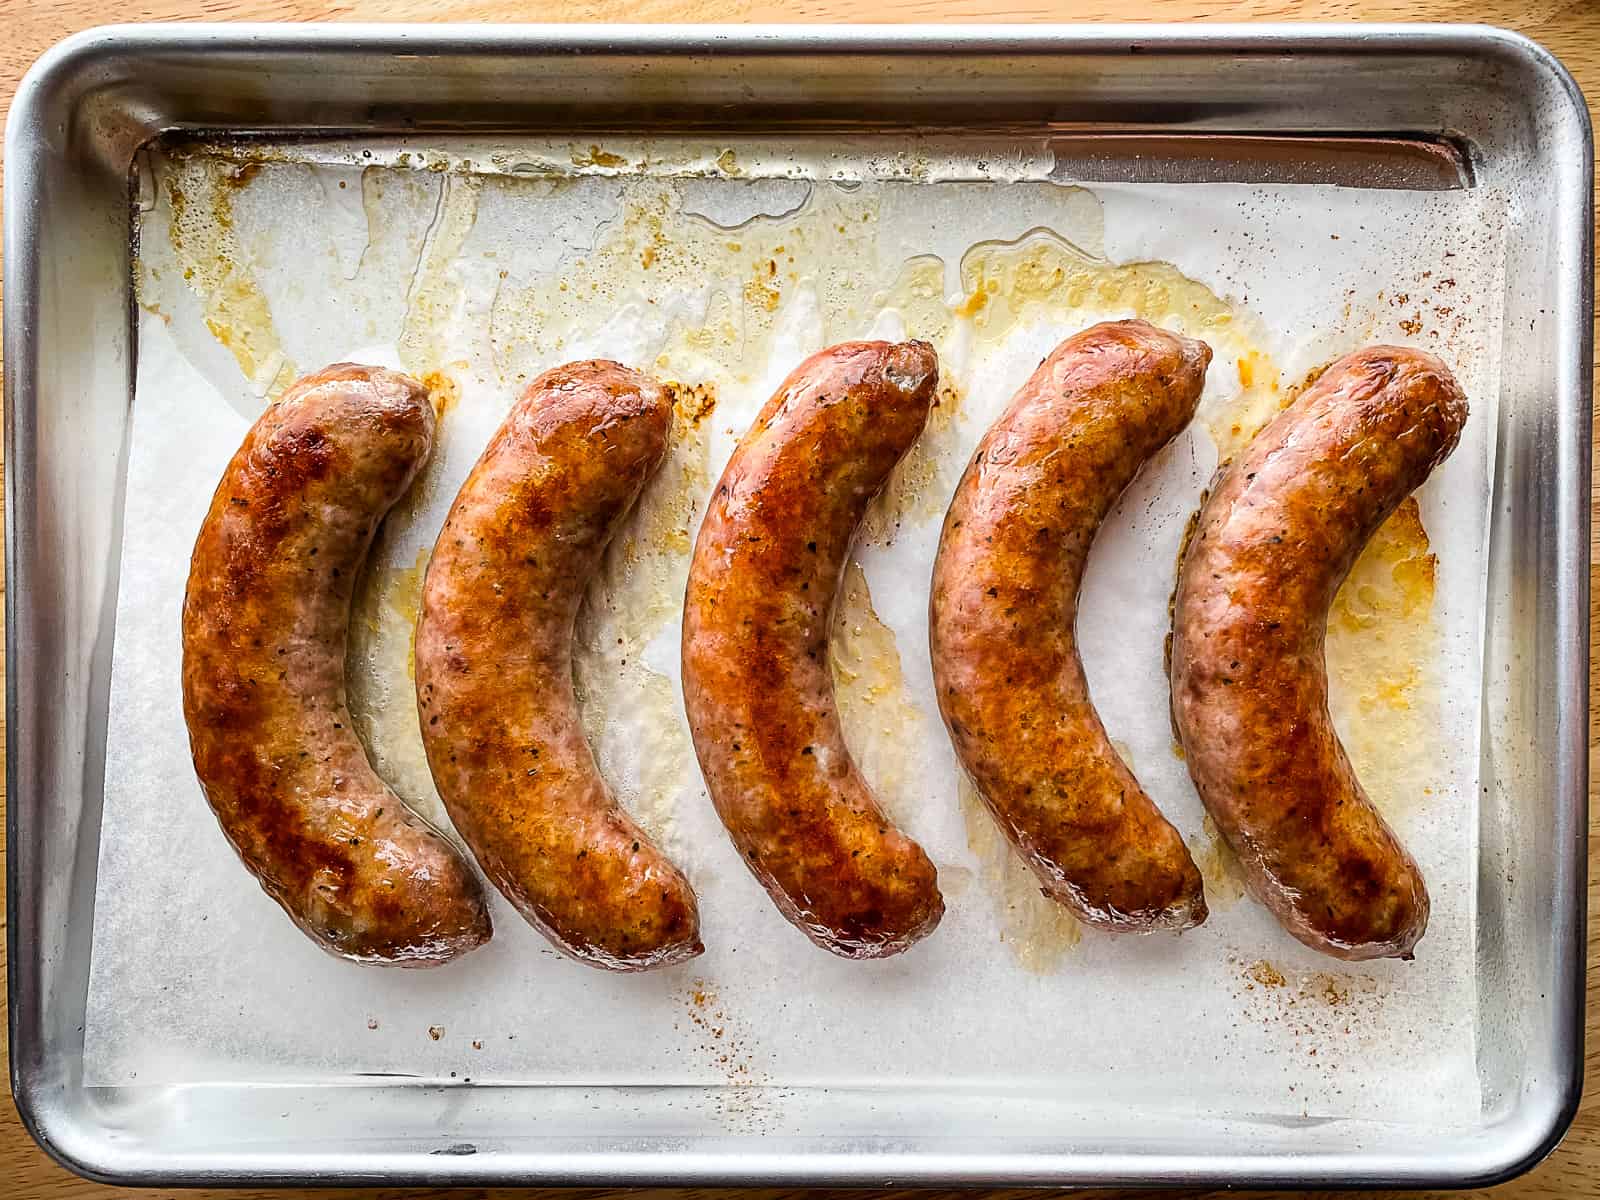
x,y
23,920
1563,642
51,602
232,45
48,833
20,369
1571,645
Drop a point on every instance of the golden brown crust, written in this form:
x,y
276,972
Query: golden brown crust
x,y
1275,540
1002,618
500,720
756,679
264,628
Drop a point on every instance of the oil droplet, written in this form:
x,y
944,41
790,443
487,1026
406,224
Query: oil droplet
x,y
444,393
597,157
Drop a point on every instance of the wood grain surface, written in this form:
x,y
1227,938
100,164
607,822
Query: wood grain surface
x,y
1570,28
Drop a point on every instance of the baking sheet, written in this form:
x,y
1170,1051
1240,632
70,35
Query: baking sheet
x,y
715,268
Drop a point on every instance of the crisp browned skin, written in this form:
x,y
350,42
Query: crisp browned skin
x,y
756,679
264,627
500,720
1273,543
1004,608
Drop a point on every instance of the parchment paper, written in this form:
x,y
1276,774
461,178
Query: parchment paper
x,y
690,265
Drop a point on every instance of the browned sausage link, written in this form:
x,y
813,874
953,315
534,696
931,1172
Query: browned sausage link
x,y
756,680
1004,609
1249,682
500,720
264,626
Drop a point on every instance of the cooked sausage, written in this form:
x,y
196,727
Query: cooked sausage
x,y
756,680
1273,543
1004,608
264,626
500,720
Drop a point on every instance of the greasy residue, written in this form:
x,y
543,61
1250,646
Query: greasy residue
x,y
1039,932
630,710
444,393
1381,639
380,678
1044,276
1219,866
687,285
1261,397
920,484
200,193
435,289
1044,268
883,726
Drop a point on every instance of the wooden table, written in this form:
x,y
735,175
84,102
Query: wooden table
x,y
1570,28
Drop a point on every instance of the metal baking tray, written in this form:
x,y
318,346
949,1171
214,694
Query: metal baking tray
x,y
1371,106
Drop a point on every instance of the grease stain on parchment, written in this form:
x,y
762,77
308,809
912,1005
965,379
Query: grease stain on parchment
x,y
632,713
1040,933
1043,275
200,193
919,487
1381,639
917,294
1261,397
380,680
436,290
882,725
1002,280
1218,865
660,266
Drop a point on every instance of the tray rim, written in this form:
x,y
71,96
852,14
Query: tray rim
x,y
60,77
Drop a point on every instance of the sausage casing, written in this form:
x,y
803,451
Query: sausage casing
x,y
1002,618
265,619
756,679
1279,533
500,720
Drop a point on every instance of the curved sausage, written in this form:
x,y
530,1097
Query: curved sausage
x,y
265,617
1273,543
500,720
1004,608
756,679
